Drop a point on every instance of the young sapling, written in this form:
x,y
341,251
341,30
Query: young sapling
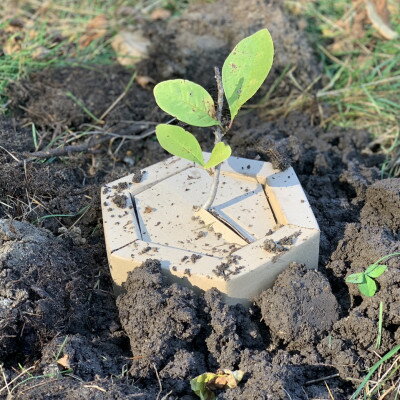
x,y
243,72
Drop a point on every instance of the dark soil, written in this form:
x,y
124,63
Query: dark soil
x,y
57,309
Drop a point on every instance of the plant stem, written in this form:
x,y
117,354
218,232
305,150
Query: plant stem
x,y
218,138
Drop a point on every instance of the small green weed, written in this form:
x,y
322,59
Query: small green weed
x,y
366,280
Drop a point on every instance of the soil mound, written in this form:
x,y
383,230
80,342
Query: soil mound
x,y
190,46
300,308
40,293
160,320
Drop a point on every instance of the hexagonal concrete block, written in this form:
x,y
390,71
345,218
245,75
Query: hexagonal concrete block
x,y
261,221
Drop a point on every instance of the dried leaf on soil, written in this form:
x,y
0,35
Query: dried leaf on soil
x,y
204,384
95,29
131,47
64,361
160,14
144,81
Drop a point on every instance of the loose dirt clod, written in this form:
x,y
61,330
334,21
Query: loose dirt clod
x,y
289,240
137,175
195,257
120,200
148,313
300,307
273,247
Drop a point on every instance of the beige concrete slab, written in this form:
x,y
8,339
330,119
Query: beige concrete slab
x,y
158,218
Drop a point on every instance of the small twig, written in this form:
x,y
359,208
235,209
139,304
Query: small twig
x,y
159,382
218,137
10,154
220,105
329,391
166,396
67,150
5,381
95,387
119,98
321,379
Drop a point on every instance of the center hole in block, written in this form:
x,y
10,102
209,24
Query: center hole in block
x,y
167,216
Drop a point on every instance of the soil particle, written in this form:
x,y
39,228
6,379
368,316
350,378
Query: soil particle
x,y
273,247
300,308
195,257
120,200
159,319
223,270
137,175
289,240
148,210
120,187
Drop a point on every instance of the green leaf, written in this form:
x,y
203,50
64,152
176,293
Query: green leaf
x,y
368,288
356,278
375,270
246,68
220,153
199,386
179,142
187,101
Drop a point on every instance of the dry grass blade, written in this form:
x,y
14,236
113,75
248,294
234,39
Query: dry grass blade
x,y
373,369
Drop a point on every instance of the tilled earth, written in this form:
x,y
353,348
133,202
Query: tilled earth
x,y
56,299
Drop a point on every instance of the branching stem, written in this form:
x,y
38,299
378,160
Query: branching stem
x,y
218,138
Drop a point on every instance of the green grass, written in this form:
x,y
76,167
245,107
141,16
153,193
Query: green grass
x,y
361,72
364,73
380,382
37,47
18,65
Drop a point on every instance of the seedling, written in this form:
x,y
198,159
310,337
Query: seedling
x,y
366,280
243,72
